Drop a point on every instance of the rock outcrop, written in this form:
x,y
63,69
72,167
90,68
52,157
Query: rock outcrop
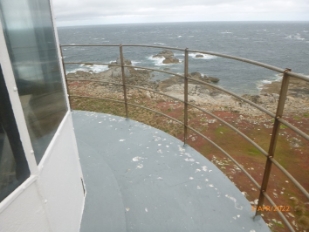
x,y
170,60
198,75
212,79
297,101
116,70
164,53
168,56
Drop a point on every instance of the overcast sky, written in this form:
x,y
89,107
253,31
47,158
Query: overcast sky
x,y
82,12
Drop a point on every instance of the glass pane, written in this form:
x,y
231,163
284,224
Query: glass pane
x,y
13,165
32,47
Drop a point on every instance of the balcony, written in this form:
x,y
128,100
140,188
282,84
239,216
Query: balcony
x,y
142,179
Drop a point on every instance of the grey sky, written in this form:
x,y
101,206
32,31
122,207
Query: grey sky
x,y
79,12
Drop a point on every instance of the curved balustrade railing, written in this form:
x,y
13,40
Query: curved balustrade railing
x,y
270,160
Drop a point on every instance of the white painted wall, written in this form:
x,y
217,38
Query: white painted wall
x,y
60,180
54,199
25,213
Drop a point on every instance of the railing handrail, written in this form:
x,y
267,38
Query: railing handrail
x,y
245,60
278,116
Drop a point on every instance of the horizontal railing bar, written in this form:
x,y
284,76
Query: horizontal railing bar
x,y
157,112
92,63
109,99
203,110
229,125
152,46
213,143
89,45
299,186
295,129
300,76
230,157
235,95
202,82
156,70
267,66
210,141
233,128
274,68
270,67
123,45
133,86
96,81
101,98
129,66
207,112
279,212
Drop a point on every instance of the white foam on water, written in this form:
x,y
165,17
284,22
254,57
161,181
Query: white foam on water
x,y
275,77
266,82
97,68
205,56
76,70
89,68
157,60
158,43
297,36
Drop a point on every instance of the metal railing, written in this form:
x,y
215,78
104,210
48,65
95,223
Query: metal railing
x,y
278,120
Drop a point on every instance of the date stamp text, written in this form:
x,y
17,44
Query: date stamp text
x,y
268,208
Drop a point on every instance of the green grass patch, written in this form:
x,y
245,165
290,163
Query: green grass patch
x,y
306,115
221,131
253,151
283,126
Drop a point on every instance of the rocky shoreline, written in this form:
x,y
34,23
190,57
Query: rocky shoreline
x,y
205,96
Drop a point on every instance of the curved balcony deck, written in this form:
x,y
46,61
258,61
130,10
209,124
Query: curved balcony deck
x,y
139,178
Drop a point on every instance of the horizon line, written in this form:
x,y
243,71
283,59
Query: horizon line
x,y
234,21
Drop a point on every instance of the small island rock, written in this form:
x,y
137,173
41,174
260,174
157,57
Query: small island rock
x,y
168,55
170,60
196,75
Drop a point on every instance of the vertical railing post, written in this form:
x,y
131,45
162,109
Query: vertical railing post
x,y
186,70
123,81
274,138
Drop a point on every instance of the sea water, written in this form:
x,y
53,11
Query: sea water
x,y
282,44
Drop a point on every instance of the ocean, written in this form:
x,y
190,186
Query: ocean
x,y
282,44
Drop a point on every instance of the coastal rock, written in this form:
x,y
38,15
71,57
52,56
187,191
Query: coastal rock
x,y
112,64
116,72
213,79
199,56
164,53
170,60
168,55
118,62
125,61
196,75
254,98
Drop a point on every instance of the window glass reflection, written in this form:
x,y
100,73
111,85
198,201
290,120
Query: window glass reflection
x,y
32,47
13,164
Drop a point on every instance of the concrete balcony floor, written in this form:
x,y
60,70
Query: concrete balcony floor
x,y
139,178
